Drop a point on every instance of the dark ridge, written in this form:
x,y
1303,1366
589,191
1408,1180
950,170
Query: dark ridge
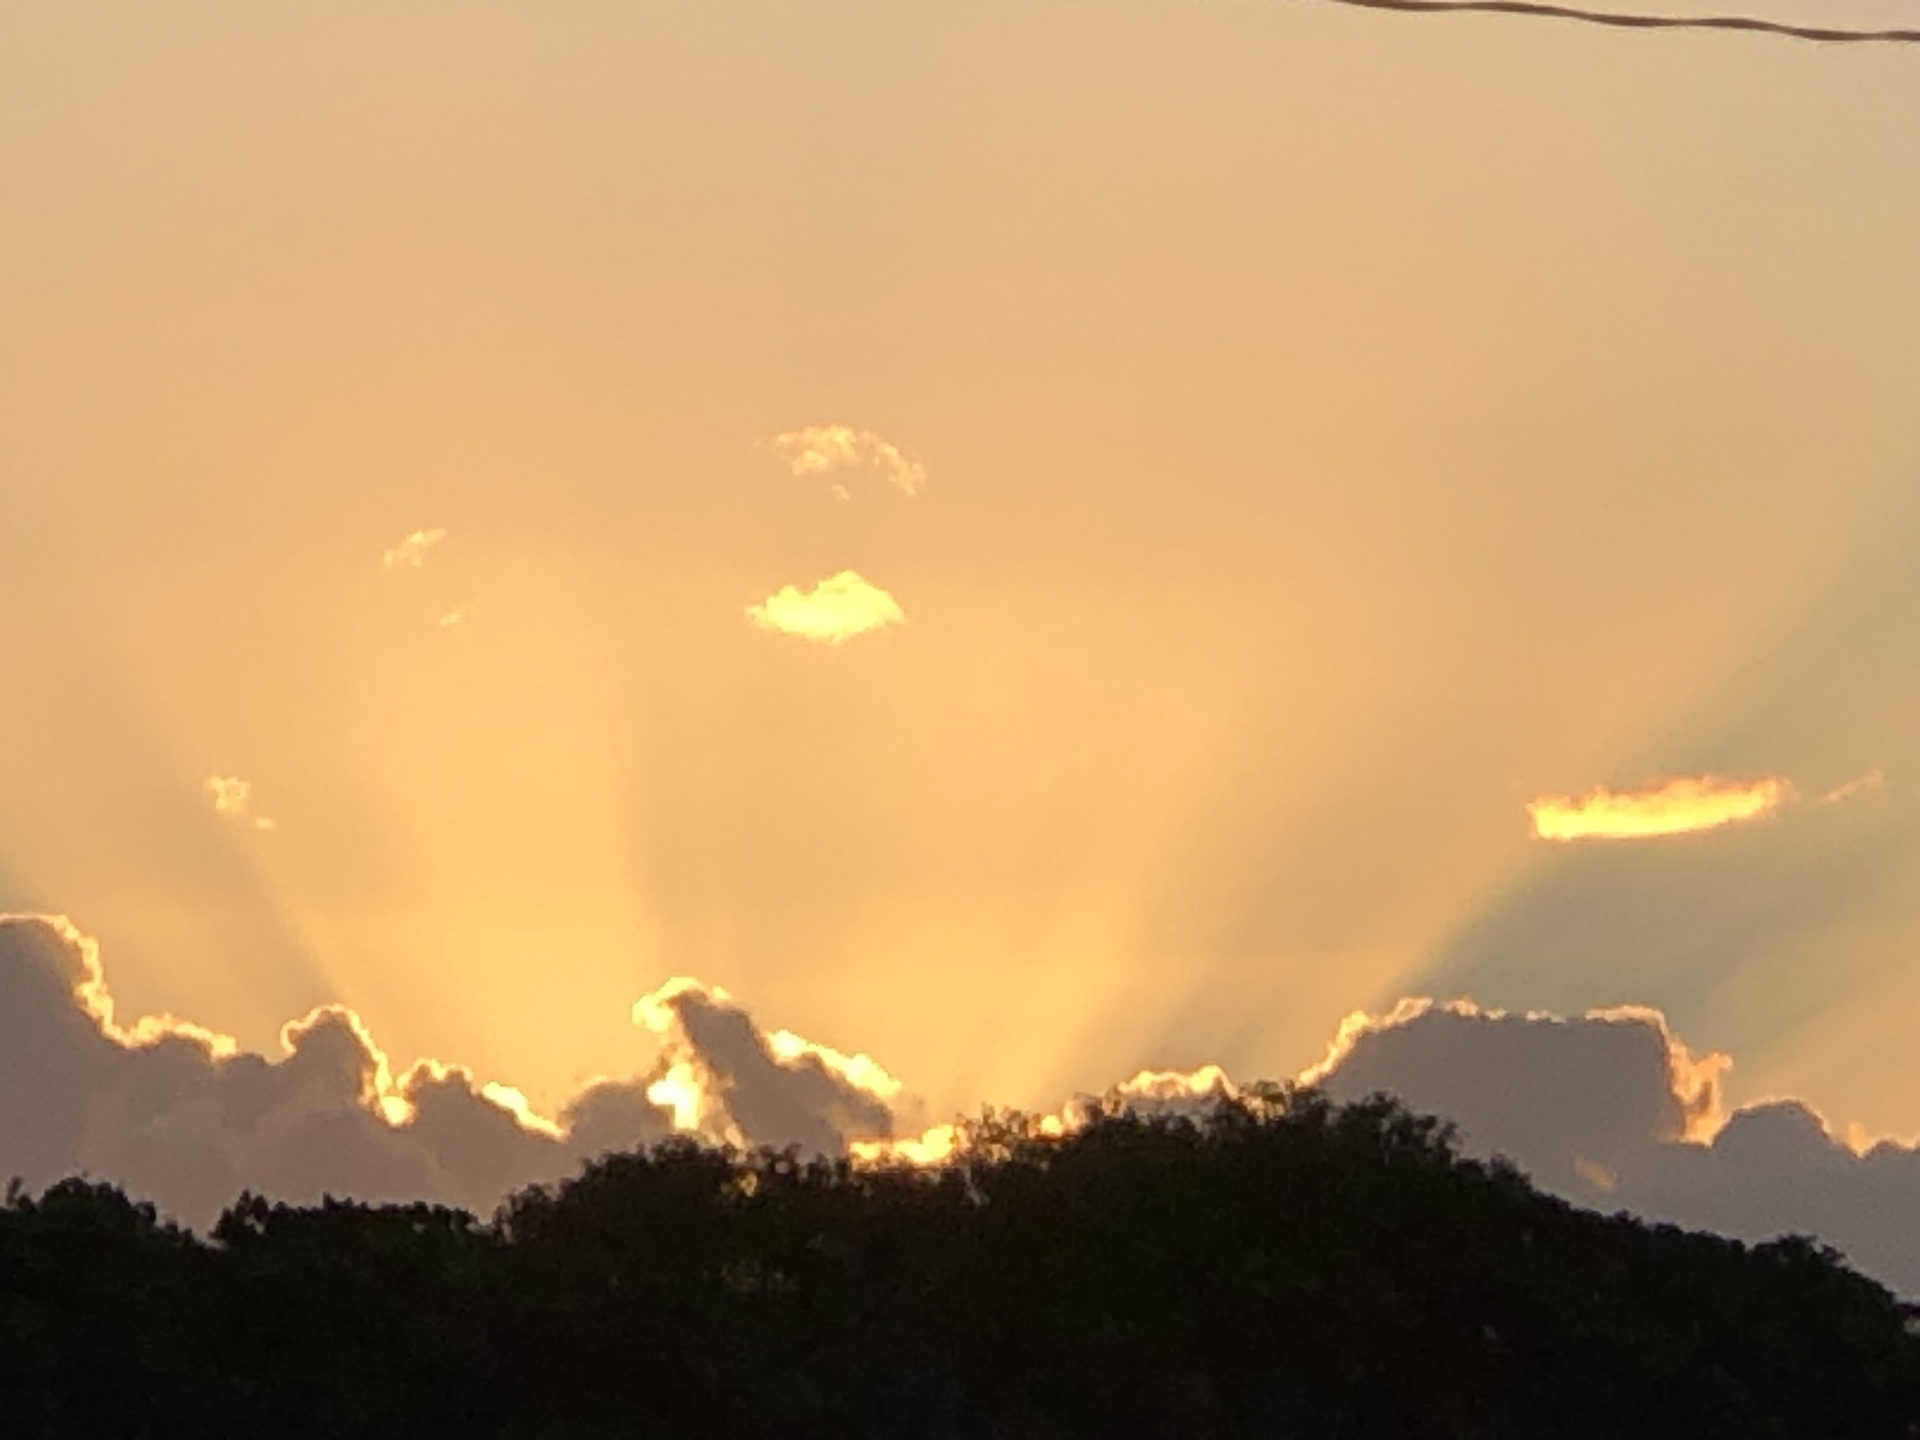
x,y
1280,1268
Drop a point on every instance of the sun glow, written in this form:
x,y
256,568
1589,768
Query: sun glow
x,y
861,1071
934,1146
510,1099
680,1091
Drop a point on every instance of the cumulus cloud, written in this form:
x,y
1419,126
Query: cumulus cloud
x,y
187,1119
721,1077
411,553
1566,1099
233,800
826,450
1678,806
830,612
1610,1109
184,1117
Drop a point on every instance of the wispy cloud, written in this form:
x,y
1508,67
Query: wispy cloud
x,y
233,800
1678,806
1860,785
830,612
827,449
411,553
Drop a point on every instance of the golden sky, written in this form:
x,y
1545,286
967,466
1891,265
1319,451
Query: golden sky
x,y
1241,454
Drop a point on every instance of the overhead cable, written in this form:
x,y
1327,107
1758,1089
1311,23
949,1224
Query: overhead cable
x,y
1753,24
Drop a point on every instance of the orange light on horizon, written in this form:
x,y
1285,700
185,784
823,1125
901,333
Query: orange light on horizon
x,y
1683,805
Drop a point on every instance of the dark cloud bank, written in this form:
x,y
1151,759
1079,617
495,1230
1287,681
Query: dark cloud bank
x,y
1600,1109
177,1116
1606,1109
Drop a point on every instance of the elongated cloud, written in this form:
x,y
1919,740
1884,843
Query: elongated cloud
x,y
824,450
233,800
1872,782
411,553
1678,806
830,612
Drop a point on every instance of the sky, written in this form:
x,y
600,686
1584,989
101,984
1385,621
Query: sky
x,y
1026,541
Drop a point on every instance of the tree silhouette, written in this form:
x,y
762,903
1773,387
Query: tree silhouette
x,y
1280,1266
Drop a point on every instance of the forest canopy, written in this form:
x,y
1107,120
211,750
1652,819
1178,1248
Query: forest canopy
x,y
1277,1266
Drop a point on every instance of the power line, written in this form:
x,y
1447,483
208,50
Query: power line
x,y
1821,34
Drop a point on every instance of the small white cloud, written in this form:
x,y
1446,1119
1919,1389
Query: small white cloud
x,y
233,800
826,449
830,612
411,553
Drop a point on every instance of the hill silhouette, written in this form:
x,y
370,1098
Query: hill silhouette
x,y
1277,1267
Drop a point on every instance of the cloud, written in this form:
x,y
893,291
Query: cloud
x,y
1610,1109
1869,783
186,1118
1563,1098
828,449
1677,806
726,1080
831,612
411,553
233,800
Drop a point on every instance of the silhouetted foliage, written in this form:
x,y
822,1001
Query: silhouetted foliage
x,y
1281,1268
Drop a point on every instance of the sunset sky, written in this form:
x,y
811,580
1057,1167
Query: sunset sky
x,y
1026,539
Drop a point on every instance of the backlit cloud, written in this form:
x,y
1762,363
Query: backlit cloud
x,y
233,800
832,611
1562,1097
1608,1109
411,553
1611,1109
724,1079
826,450
186,1118
1678,806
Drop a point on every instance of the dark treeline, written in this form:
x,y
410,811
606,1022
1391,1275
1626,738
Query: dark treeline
x,y
1284,1268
